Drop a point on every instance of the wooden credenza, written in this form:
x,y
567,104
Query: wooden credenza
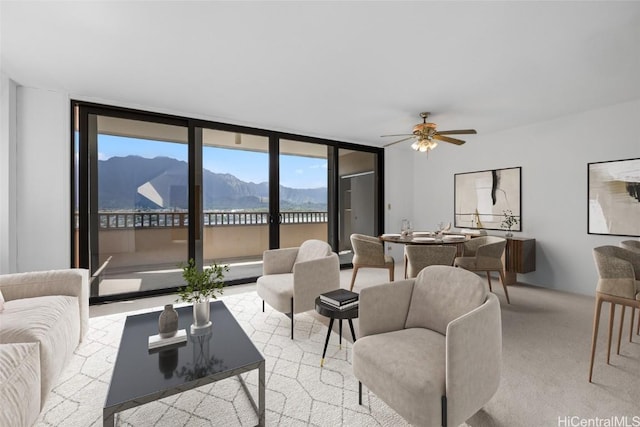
x,y
519,257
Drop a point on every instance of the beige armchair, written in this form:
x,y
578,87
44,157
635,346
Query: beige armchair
x,y
618,283
430,347
368,252
484,254
418,257
294,277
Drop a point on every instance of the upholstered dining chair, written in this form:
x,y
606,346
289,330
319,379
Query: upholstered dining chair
x,y
618,283
368,252
631,245
294,277
421,256
634,246
430,347
484,254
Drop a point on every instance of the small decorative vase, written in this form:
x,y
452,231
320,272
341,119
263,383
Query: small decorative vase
x,y
201,313
508,234
168,322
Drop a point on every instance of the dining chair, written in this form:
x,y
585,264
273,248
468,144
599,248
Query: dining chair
x,y
368,251
618,283
634,246
484,254
418,257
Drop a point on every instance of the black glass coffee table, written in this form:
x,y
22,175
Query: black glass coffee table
x,y
140,376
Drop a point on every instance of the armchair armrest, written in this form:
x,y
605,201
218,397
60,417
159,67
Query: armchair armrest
x,y
312,278
474,359
384,308
69,282
278,261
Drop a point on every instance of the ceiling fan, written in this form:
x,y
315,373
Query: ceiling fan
x,y
426,136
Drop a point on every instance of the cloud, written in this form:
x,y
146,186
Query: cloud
x,y
102,156
322,165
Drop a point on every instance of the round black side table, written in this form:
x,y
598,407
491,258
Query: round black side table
x,y
333,313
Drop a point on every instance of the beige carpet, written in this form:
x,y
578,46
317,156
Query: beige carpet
x,y
546,345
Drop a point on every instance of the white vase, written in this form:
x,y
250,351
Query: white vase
x,y
201,314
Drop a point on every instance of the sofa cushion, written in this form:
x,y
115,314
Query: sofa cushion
x,y
51,321
312,249
442,294
19,384
277,291
405,368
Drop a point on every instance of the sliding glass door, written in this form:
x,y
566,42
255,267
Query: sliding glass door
x,y
358,202
151,191
303,190
235,201
138,204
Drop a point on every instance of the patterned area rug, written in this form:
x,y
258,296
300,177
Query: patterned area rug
x,y
299,391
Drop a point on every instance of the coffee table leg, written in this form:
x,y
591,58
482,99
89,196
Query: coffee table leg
x,y
353,334
340,339
261,394
108,419
326,342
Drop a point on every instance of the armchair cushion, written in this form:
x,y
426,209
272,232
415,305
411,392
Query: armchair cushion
x,y
404,368
277,289
436,299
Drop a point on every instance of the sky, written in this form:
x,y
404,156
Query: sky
x,y
250,166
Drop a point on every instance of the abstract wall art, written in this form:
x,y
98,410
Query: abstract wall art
x,y
614,197
481,198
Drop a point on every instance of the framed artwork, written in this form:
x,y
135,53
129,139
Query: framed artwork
x,y
482,198
614,198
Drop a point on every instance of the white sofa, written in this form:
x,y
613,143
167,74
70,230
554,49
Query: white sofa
x,y
44,317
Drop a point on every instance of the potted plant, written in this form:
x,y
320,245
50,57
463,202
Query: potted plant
x,y
201,286
509,221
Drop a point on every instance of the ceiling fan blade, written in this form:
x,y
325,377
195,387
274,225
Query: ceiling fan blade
x,y
459,132
395,142
448,139
400,134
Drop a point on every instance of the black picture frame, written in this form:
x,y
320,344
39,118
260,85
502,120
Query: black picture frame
x,y
613,197
482,197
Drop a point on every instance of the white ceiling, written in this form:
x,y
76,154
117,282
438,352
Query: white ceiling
x,y
350,71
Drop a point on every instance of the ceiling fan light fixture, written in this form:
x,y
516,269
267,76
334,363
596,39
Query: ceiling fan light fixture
x,y
415,145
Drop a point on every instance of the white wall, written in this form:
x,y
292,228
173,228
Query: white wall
x,y
7,175
43,168
553,156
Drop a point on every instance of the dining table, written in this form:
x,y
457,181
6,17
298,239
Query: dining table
x,y
426,238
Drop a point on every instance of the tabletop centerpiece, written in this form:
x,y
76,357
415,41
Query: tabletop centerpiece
x,y
509,221
201,287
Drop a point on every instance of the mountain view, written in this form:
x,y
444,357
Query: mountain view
x,y
138,183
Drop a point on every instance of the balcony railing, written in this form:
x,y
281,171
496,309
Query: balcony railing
x,y
126,220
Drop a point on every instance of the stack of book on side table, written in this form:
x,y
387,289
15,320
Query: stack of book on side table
x,y
341,299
